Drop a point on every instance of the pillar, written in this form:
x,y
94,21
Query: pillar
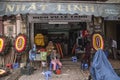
x,y
18,23
1,25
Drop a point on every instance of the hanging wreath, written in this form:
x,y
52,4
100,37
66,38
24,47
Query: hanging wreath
x,y
2,72
2,44
21,43
97,41
5,45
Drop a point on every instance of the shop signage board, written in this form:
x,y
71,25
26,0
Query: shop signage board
x,y
99,9
112,18
41,7
56,18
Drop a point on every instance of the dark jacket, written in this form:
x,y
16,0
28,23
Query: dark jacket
x,y
55,55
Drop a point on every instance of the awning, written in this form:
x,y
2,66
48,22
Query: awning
x,y
104,10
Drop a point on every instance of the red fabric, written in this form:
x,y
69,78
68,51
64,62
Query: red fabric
x,y
84,33
60,48
42,50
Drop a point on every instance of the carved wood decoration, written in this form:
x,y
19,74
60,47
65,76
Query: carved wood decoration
x,y
98,24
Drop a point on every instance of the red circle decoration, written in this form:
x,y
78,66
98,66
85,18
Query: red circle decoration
x,y
20,43
2,44
97,41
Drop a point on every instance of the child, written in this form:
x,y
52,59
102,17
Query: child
x,y
55,59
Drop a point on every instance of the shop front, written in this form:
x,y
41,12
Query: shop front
x,y
68,24
63,29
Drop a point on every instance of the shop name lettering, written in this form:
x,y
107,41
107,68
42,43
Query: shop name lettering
x,y
44,7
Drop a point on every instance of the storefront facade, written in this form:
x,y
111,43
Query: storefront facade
x,y
104,10
21,17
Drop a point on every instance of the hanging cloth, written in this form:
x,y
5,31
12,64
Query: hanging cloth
x,y
59,49
39,40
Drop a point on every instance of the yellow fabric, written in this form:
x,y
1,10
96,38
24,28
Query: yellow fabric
x,y
39,40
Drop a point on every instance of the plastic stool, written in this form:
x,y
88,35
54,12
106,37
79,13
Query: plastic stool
x,y
74,59
9,66
84,66
51,65
15,65
48,74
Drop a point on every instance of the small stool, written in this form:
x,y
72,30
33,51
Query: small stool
x,y
48,74
15,65
58,71
74,59
9,66
84,66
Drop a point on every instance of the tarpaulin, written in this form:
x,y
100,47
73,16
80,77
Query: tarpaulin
x,y
101,69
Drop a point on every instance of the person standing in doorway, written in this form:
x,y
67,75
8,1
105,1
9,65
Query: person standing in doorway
x,y
114,49
87,53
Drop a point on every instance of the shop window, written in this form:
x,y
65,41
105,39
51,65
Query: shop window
x,y
10,30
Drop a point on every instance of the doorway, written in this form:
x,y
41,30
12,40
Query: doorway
x,y
61,28
118,36
64,34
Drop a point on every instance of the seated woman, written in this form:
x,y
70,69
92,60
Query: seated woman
x,y
55,59
49,49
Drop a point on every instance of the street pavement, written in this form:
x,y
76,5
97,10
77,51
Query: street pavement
x,y
70,71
